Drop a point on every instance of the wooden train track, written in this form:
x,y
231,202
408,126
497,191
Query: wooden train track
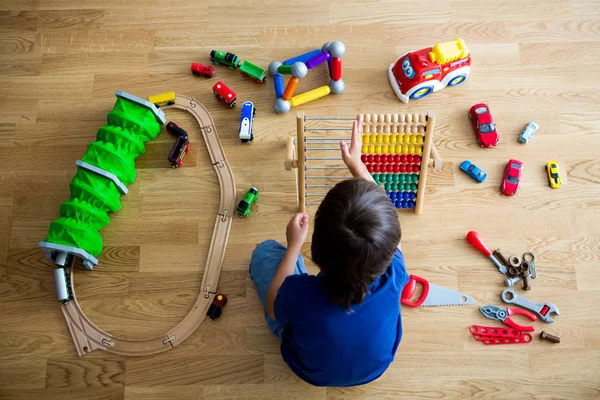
x,y
88,337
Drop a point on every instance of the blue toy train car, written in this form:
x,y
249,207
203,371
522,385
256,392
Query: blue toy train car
x,y
246,122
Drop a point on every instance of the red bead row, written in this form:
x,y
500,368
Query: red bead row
x,y
391,158
409,168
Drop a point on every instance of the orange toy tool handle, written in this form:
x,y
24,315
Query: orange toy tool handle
x,y
477,242
409,290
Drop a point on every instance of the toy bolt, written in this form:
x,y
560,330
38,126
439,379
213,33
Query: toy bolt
x,y
500,257
527,282
549,337
510,282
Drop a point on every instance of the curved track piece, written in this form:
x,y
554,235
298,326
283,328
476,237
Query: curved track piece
x,y
88,337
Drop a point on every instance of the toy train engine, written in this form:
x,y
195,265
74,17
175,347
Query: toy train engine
x,y
63,285
216,308
243,208
247,122
416,74
178,152
229,60
202,70
224,94
176,130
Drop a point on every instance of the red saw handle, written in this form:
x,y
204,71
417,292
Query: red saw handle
x,y
477,242
409,290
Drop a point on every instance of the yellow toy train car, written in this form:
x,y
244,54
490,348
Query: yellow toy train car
x,y
163,99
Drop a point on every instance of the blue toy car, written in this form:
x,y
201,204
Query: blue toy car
x,y
473,171
246,120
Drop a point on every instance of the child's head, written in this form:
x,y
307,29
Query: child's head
x,y
356,232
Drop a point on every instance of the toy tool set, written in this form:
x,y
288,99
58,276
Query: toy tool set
x,y
516,269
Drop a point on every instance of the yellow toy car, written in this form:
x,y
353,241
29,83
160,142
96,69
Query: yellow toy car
x,y
163,99
553,176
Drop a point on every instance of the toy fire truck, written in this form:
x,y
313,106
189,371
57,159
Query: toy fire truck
x,y
416,74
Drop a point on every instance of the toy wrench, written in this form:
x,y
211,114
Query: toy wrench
x,y
504,314
543,310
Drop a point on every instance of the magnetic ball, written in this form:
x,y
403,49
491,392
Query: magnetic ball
x,y
326,46
273,67
281,106
337,49
337,87
299,70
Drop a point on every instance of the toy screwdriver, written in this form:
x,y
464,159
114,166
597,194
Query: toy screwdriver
x,y
474,238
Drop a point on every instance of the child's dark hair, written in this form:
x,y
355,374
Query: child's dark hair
x,y
355,236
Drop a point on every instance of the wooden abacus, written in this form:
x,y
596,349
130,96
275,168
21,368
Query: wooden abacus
x,y
394,147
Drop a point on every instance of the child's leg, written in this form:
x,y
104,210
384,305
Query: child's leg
x,y
266,258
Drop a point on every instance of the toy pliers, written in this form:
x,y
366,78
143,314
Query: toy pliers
x,y
503,314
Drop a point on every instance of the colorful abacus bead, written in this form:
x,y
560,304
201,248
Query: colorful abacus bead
x,y
364,158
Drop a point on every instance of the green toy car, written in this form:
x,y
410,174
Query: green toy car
x,y
243,208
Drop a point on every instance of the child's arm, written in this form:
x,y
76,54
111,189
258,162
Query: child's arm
x,y
351,156
296,235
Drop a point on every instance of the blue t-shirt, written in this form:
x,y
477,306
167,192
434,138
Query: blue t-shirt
x,y
324,345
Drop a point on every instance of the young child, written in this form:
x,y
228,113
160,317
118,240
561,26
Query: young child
x,y
341,327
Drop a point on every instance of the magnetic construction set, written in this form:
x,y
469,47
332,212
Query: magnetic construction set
x,y
397,149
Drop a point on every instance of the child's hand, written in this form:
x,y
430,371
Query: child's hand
x,y
351,156
296,231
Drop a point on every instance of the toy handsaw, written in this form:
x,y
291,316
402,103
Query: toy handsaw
x,y
432,295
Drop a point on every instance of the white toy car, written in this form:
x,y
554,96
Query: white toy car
x,y
528,132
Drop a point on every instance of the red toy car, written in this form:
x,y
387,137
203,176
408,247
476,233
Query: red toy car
x,y
204,70
215,309
224,94
512,177
484,126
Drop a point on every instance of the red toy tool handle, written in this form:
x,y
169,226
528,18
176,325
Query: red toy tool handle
x,y
409,290
518,311
474,238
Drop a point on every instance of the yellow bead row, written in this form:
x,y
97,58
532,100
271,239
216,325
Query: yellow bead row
x,y
391,149
392,138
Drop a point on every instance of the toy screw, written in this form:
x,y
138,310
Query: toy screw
x,y
510,282
527,282
549,337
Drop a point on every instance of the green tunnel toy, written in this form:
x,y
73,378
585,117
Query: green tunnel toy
x,y
103,174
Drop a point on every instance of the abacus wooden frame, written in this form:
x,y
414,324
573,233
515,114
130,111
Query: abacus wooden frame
x,y
372,123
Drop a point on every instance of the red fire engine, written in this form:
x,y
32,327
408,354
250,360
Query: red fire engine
x,y
416,74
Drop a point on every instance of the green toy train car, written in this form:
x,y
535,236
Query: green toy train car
x,y
229,60
253,71
243,207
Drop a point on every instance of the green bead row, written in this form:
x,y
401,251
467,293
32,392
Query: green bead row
x,y
398,187
396,178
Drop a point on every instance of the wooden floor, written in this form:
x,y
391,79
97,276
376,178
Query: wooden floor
x,y
60,64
